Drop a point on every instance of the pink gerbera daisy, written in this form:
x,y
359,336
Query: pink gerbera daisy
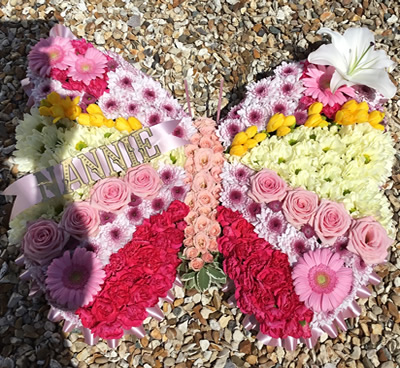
x,y
86,67
50,53
75,278
317,81
321,281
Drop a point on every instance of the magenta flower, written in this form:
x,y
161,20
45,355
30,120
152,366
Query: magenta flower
x,y
74,279
50,53
321,280
317,81
86,67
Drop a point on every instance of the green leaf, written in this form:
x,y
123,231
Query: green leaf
x,y
292,142
326,149
188,276
216,274
367,159
281,160
80,145
328,180
346,191
173,158
303,323
313,136
40,127
107,135
203,279
191,284
297,171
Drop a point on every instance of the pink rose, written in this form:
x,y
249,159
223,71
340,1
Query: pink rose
x,y
196,264
215,229
207,130
201,241
203,159
369,240
331,221
43,241
195,138
190,150
207,257
202,180
81,219
299,206
205,198
191,252
213,246
144,181
206,142
110,194
201,223
267,186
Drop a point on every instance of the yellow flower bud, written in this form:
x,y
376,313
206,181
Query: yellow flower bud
x,y
351,105
275,122
94,109
240,138
379,127
44,111
289,121
84,119
134,123
251,143
109,123
237,150
251,131
73,112
313,121
363,106
345,117
315,108
122,124
375,117
323,123
57,111
54,98
361,116
259,137
96,120
282,131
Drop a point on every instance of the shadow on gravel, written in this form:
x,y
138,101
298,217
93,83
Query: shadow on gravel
x,y
27,337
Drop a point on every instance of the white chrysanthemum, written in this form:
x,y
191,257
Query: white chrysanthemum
x,y
175,157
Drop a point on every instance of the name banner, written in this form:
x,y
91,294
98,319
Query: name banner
x,y
141,146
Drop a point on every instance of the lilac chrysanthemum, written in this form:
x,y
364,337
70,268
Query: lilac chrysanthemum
x,y
270,225
153,117
171,175
255,115
234,113
283,106
228,129
234,197
131,107
301,117
252,210
236,173
170,107
110,106
289,88
74,279
289,69
50,53
135,215
321,280
261,89
121,79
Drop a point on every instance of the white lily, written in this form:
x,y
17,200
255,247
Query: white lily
x,y
355,60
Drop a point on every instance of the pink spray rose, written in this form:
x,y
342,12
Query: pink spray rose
x,y
331,221
191,252
144,181
369,240
81,219
207,257
267,186
43,241
299,206
196,264
110,194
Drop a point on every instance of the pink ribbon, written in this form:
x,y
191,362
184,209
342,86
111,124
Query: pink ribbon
x,y
156,313
113,343
221,86
90,339
28,192
188,98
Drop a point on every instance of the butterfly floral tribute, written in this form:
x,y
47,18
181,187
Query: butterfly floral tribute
x,y
106,253
304,217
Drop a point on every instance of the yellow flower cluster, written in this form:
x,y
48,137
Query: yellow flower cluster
x,y
281,124
95,117
315,118
60,108
354,113
243,141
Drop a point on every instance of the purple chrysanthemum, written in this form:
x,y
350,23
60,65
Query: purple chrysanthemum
x,y
308,231
110,106
115,234
301,117
74,279
135,215
107,217
275,206
178,192
158,204
135,201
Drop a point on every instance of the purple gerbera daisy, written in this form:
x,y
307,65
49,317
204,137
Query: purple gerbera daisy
x,y
75,278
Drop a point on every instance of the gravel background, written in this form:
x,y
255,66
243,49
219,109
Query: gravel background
x,y
202,41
